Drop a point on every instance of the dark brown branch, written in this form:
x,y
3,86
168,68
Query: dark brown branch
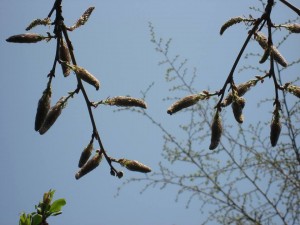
x,y
292,7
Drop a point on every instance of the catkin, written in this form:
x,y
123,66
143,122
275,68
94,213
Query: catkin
x,y
134,165
89,166
43,108
275,127
86,76
184,103
25,38
216,131
85,155
126,101
64,56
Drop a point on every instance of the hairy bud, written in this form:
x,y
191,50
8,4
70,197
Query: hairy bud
x,y
43,108
125,101
134,165
294,28
295,90
216,131
83,19
184,103
86,76
237,108
25,38
275,127
89,166
230,22
85,155
52,115
278,57
64,56
36,22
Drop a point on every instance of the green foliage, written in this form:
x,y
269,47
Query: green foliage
x,y
44,209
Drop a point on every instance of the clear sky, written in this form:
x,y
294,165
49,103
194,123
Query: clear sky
x,y
115,46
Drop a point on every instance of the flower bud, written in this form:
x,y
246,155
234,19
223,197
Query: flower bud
x,y
52,115
275,127
134,165
43,108
86,76
294,28
184,102
125,101
278,57
230,22
85,155
237,108
83,19
46,21
216,131
64,56
295,90
89,166
25,38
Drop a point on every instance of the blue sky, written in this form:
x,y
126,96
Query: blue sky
x,y
115,46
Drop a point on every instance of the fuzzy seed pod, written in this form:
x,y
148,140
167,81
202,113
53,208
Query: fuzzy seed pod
x,y
294,28
25,38
126,101
36,22
216,131
43,108
134,165
89,166
275,127
241,90
86,76
52,115
64,56
230,22
295,90
85,155
237,108
83,19
184,103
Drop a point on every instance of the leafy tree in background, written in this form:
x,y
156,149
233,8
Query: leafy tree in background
x,y
252,176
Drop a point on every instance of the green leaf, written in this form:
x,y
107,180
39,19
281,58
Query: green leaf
x,y
36,219
25,219
57,205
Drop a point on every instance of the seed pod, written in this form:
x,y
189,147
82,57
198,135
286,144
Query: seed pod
x,y
89,166
294,28
85,155
125,101
86,76
231,22
43,108
237,108
295,90
216,131
25,38
36,22
134,165
275,127
64,56
52,115
184,103
241,90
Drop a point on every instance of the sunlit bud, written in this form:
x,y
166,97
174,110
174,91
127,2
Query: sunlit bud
x,y
83,19
265,56
52,115
134,165
241,90
261,39
184,103
89,166
294,28
275,127
86,76
125,101
230,22
216,131
36,22
64,56
295,90
43,108
237,108
85,155
278,57
26,38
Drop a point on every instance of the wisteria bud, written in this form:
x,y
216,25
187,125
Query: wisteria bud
x,y
85,155
64,56
275,127
90,165
230,22
241,90
216,131
184,103
134,165
295,90
86,76
43,108
125,101
25,38
278,57
36,22
83,19
237,108
52,115
294,28
261,39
